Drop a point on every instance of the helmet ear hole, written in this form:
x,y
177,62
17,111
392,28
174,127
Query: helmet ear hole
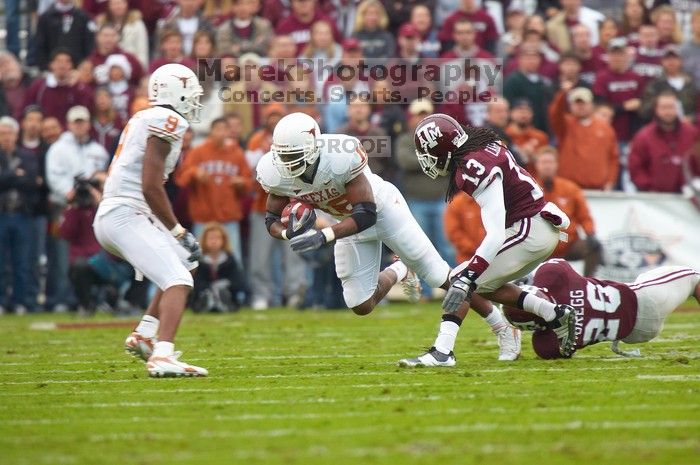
x,y
182,98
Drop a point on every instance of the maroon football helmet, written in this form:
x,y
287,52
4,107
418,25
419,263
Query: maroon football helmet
x,y
437,137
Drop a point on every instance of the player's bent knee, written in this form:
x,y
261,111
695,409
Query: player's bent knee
x,y
365,308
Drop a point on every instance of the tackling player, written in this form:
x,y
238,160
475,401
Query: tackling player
x,y
607,310
136,222
330,172
522,230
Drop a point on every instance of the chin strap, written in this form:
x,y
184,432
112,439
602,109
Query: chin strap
x,y
625,353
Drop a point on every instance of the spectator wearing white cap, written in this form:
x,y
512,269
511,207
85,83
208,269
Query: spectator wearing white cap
x,y
74,155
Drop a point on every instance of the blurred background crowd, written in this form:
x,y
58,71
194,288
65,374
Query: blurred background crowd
x,y
598,95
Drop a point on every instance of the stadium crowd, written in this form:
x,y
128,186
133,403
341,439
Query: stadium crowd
x,y
599,96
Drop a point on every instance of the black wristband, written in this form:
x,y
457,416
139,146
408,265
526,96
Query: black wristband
x,y
270,219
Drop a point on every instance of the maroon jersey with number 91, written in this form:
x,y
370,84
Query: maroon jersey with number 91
x,y
523,196
605,310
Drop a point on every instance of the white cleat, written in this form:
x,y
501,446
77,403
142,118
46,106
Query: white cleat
x,y
509,342
432,358
411,286
140,346
171,367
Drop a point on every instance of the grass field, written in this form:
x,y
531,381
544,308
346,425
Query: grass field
x,y
323,388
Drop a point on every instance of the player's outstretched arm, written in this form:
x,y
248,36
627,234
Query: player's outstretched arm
x,y
359,193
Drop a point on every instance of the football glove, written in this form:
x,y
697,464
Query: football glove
x,y
189,243
460,291
312,240
297,227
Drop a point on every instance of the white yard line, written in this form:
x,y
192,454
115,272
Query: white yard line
x,y
346,414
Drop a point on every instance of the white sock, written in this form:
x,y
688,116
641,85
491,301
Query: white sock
x,y
163,349
540,307
495,320
400,269
445,341
148,326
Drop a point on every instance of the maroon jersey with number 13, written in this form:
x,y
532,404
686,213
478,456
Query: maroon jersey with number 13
x,y
523,196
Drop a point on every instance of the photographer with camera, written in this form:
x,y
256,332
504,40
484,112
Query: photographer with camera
x,y
73,155
96,276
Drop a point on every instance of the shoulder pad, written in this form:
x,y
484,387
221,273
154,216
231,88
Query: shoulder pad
x,y
165,123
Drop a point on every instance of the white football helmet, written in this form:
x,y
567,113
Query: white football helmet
x,y
294,145
176,85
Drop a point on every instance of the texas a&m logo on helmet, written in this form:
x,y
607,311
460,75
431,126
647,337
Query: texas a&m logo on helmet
x,y
436,139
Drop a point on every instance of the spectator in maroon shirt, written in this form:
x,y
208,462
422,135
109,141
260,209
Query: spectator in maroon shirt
x,y
622,87
422,19
664,18
647,60
582,47
106,123
534,39
57,92
634,14
106,44
464,38
607,31
658,149
570,71
298,23
14,84
486,33
171,51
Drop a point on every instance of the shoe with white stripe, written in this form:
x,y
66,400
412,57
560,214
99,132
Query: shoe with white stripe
x,y
139,346
432,358
509,342
170,367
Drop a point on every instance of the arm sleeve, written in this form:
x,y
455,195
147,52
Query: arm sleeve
x,y
493,216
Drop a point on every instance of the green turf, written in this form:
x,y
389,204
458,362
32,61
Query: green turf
x,y
323,387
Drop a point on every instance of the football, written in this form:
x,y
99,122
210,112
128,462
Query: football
x,y
295,207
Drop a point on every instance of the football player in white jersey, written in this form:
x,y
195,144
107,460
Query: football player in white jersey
x,y
136,222
330,172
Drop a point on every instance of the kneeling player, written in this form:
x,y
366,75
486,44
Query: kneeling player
x,y
330,173
522,229
607,310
